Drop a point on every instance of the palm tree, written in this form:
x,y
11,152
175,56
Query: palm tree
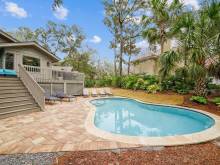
x,y
57,3
198,33
156,26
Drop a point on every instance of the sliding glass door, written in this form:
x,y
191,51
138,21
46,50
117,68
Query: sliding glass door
x,y
9,61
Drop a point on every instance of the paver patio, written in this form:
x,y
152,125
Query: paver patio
x,y
59,128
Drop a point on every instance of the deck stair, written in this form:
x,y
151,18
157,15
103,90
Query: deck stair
x,y
15,98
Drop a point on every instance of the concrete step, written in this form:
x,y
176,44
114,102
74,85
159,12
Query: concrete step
x,y
19,112
12,87
10,91
16,102
9,78
11,84
9,108
11,99
14,95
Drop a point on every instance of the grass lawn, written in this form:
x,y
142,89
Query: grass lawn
x,y
166,98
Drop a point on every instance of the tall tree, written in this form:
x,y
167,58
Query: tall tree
x,y
118,13
199,44
130,48
157,23
56,4
24,34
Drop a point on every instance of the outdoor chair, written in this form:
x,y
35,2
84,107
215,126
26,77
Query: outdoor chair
x,y
49,98
94,93
108,91
85,92
101,92
62,96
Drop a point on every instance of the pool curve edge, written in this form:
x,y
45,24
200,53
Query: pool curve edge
x,y
194,138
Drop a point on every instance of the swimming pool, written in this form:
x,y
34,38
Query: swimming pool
x,y
129,117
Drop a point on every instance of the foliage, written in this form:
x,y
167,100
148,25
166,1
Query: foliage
x,y
157,24
177,83
213,86
199,99
198,46
216,100
119,17
153,88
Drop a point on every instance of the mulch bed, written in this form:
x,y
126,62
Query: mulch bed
x,y
201,154
210,107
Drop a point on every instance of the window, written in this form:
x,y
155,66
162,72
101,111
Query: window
x,y
32,61
48,64
1,57
9,61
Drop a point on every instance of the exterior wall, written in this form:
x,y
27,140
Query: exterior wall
x,y
147,67
70,88
25,51
3,40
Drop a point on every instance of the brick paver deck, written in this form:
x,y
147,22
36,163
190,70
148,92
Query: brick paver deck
x,y
59,128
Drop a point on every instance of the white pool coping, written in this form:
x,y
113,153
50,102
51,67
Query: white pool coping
x,y
194,138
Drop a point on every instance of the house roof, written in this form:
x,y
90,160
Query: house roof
x,y
145,58
15,43
31,44
7,36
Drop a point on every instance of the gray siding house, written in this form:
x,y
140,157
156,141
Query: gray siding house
x,y
34,68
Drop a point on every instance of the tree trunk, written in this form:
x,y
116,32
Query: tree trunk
x,y
200,88
129,64
162,39
121,50
115,60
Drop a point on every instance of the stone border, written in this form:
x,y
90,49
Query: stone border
x,y
194,138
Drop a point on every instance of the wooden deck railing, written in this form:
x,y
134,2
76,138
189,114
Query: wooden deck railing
x,y
41,74
33,87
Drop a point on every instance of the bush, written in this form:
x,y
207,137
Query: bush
x,y
153,88
177,84
183,91
199,99
89,83
213,86
116,81
216,100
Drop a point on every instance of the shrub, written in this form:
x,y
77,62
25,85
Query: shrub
x,y
116,81
153,88
216,100
199,99
183,91
213,86
139,84
89,83
177,84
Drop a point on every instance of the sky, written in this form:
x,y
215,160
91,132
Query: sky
x,y
87,14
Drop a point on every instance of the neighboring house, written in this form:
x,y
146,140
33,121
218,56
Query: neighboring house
x,y
149,63
146,65
31,61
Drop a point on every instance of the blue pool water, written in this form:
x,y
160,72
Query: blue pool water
x,y
129,117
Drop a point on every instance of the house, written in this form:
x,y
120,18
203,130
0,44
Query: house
x,y
35,71
146,65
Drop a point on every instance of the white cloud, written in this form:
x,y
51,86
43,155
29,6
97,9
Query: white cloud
x,y
61,13
192,3
174,43
142,44
96,39
15,10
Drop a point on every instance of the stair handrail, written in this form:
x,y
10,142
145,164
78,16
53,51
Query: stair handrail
x,y
33,87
